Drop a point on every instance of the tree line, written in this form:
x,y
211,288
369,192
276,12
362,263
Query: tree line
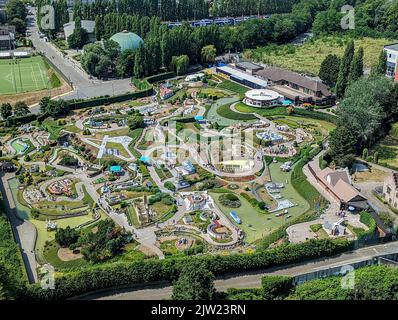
x,y
16,13
368,108
373,18
181,10
162,43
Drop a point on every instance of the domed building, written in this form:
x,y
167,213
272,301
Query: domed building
x,y
127,40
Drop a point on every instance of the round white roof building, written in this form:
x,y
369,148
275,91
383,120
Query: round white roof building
x,y
262,97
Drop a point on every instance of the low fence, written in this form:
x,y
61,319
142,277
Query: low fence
x,y
344,268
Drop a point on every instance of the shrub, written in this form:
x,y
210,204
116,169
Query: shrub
x,y
230,200
276,287
169,185
66,237
386,218
315,227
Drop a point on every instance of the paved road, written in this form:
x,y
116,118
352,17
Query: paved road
x,y
249,279
83,85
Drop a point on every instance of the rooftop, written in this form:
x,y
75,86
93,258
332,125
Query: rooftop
x,y
249,65
339,182
88,25
262,95
243,75
278,74
393,46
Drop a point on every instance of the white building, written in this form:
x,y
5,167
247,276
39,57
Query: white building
x,y
262,98
392,61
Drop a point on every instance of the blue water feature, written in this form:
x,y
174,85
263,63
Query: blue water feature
x,y
287,102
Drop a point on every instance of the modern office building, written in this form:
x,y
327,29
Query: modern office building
x,y
392,61
242,77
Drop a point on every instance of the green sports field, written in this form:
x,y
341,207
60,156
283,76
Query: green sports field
x,y
23,75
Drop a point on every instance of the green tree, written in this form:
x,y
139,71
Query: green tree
x,y
342,146
329,69
356,68
376,157
136,121
195,282
344,70
180,64
381,67
365,153
19,24
138,63
16,9
208,54
79,37
125,63
21,108
6,110
66,237
99,28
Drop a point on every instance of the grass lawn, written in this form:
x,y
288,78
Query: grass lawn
x,y
112,133
297,122
72,128
50,253
163,173
169,248
308,57
52,127
24,75
136,103
388,152
132,216
260,226
119,147
226,112
161,208
282,111
263,224
233,87
212,114
214,92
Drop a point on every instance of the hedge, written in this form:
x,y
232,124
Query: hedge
x,y
128,273
14,121
93,102
160,77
